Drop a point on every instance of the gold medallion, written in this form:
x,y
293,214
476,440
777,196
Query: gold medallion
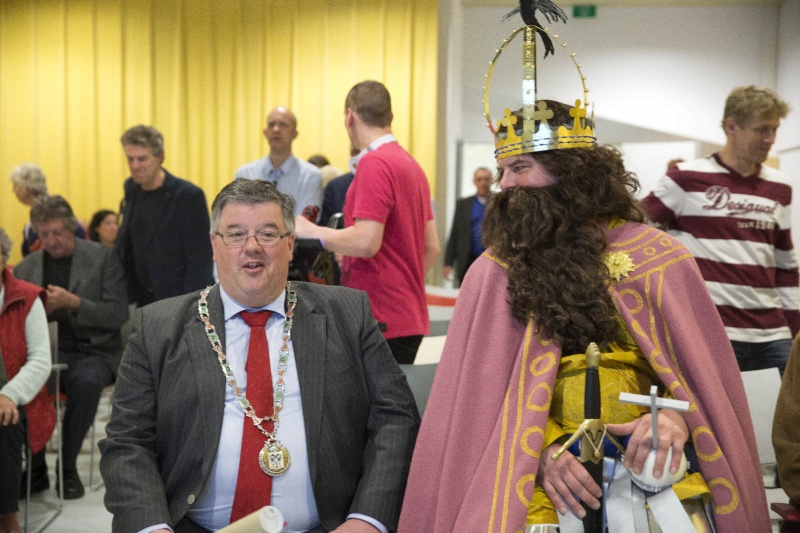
x,y
274,459
619,264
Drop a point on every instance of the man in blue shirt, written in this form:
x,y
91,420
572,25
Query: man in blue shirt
x,y
295,177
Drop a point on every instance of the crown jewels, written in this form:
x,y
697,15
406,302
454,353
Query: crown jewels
x,y
536,133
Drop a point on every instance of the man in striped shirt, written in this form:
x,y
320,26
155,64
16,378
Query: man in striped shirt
x,y
734,215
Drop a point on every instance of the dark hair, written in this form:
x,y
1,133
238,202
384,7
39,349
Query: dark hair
x,y
318,160
371,102
251,192
98,219
145,136
53,208
553,239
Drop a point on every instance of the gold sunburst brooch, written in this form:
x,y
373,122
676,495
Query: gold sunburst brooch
x,y
619,264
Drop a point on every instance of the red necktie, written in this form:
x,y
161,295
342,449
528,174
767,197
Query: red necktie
x,y
253,486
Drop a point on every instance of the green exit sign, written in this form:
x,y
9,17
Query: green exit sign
x,y
586,11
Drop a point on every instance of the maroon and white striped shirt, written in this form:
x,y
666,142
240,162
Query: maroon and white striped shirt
x,y
738,229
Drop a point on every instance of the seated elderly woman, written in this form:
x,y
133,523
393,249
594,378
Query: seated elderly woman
x,y
29,184
25,356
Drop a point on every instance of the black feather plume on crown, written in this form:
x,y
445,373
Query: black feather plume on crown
x,y
552,13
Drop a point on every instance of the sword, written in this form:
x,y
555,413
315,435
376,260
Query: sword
x,y
591,432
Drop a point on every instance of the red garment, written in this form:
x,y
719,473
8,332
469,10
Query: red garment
x,y
391,188
477,454
254,486
17,303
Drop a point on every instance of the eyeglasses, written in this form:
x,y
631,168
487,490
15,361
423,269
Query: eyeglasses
x,y
263,238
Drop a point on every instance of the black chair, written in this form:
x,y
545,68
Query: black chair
x,y
54,389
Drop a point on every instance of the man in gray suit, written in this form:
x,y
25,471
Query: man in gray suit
x,y
86,295
345,421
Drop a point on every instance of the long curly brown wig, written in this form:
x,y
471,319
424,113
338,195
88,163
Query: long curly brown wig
x,y
553,241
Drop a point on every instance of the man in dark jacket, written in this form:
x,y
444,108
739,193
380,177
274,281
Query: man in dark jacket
x,y
465,244
163,240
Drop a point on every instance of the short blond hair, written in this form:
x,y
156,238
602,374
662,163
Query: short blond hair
x,y
746,102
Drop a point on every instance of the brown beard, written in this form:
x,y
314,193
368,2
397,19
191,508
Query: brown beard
x,y
553,240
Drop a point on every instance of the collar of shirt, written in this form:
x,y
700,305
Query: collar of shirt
x,y
290,167
380,141
355,159
232,307
291,492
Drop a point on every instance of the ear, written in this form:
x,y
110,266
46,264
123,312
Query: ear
x,y
265,131
349,117
729,125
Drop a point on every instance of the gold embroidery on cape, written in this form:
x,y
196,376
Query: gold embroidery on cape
x,y
496,259
526,437
527,479
504,473
539,407
549,358
636,296
500,458
702,454
671,253
734,502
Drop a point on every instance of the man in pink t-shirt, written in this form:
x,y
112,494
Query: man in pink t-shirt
x,y
390,238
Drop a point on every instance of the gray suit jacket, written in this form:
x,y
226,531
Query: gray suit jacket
x,y
360,417
96,276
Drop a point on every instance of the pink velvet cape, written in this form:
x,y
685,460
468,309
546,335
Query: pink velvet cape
x,y
478,449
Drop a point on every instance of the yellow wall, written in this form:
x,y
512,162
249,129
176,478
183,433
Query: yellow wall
x,y
74,74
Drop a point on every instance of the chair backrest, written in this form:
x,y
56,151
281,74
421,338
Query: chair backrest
x,y
52,330
761,388
420,379
430,349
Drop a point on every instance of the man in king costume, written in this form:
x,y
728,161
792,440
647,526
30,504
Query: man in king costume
x,y
570,263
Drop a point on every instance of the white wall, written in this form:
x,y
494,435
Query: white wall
x,y
788,82
788,86
649,160
663,69
668,69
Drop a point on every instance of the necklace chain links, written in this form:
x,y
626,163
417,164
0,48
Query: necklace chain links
x,y
283,357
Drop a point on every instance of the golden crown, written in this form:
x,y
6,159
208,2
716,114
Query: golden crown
x,y
536,134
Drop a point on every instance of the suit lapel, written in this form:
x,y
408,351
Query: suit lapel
x,y
37,273
309,341
208,375
77,270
